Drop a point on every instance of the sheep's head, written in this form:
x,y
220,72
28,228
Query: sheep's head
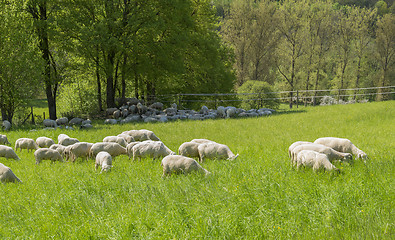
x,y
233,157
347,157
106,168
362,155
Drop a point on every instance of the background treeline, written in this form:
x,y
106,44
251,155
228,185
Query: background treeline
x,y
83,55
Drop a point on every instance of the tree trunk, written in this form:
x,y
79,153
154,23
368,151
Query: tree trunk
x,y
123,79
110,80
358,77
99,100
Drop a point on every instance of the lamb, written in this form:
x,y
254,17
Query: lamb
x,y
4,140
47,154
215,150
44,142
189,149
59,148
80,149
342,145
127,138
153,149
121,141
181,164
114,149
294,145
315,160
331,153
6,175
8,152
104,160
25,143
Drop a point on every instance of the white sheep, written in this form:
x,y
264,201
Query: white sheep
x,y
4,140
201,140
26,143
104,160
50,123
127,137
79,149
47,154
59,148
44,142
61,137
142,134
67,141
294,145
6,125
153,149
6,175
120,140
316,160
189,149
180,164
114,149
331,153
215,150
8,152
342,145
129,148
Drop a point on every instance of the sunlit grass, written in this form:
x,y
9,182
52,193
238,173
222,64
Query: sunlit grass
x,y
257,196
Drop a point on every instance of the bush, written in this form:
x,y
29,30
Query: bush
x,y
257,94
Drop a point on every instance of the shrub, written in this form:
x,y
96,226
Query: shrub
x,y
257,94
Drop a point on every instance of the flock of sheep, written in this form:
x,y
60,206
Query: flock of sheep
x,y
323,152
136,144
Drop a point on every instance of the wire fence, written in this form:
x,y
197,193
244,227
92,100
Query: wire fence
x,y
297,97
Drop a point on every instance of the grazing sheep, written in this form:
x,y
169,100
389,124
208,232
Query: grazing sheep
x,y
215,150
127,137
201,140
6,175
61,137
50,123
59,148
141,135
180,164
316,160
342,145
153,149
120,140
79,149
104,160
47,154
44,142
67,141
114,149
129,148
25,143
4,140
8,152
189,149
331,153
6,125
294,145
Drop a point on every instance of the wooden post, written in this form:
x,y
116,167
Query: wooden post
x,y
297,98
31,108
44,115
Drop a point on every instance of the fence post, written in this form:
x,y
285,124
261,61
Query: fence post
x,y
297,98
44,115
32,115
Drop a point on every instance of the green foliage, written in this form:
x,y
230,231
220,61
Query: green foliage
x,y
257,94
257,196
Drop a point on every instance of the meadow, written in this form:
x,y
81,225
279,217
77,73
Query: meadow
x,y
257,196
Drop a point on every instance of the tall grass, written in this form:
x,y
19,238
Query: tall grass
x,y
258,196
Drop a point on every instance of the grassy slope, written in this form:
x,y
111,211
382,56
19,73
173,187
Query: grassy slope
x,y
257,196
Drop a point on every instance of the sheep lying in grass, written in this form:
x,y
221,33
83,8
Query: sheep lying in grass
x,y
44,142
180,164
331,153
294,145
6,175
114,149
153,149
26,143
120,140
142,135
215,150
342,145
4,140
189,149
47,154
8,152
59,148
104,160
127,138
79,149
316,160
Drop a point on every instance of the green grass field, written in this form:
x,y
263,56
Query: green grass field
x,y
258,196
